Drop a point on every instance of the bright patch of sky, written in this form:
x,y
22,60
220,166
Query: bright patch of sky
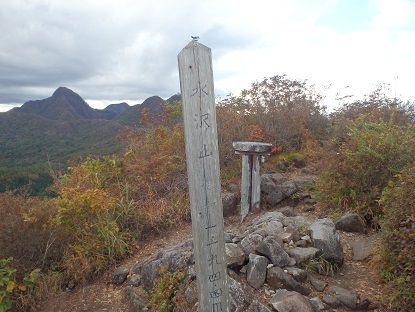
x,y
348,16
6,107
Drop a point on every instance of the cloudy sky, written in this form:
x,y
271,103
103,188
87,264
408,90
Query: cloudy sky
x,y
112,51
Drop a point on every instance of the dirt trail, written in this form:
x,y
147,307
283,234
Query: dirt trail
x,y
102,295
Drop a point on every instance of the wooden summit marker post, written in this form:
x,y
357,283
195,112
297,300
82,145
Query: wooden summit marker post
x,y
202,158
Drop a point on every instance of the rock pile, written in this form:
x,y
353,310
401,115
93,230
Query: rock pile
x,y
272,255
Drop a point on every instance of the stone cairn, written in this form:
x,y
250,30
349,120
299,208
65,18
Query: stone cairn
x,y
268,260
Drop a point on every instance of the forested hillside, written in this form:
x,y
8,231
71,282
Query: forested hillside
x,y
43,135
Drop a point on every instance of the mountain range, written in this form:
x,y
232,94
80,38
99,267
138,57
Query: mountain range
x,y
47,133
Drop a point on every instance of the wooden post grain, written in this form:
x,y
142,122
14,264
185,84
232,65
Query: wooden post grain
x,y
202,158
256,183
245,186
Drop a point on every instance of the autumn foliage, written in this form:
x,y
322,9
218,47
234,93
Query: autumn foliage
x,y
104,205
277,110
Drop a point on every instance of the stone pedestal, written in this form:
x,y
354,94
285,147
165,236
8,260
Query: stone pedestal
x,y
251,179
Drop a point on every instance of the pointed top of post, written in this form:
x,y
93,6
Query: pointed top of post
x,y
194,44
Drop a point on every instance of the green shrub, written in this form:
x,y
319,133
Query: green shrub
x,y
14,293
89,216
356,175
397,254
162,296
321,266
7,284
377,107
284,160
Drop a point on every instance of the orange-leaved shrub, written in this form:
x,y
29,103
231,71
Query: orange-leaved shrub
x,y
376,107
368,167
155,170
34,245
355,175
27,235
397,252
89,217
284,112
104,203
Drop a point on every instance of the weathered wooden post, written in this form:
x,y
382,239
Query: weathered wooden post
x,y
202,158
251,178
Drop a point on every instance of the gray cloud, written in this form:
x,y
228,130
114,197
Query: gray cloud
x,y
102,49
109,50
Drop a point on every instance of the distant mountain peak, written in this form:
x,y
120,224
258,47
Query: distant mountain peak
x,y
117,108
132,115
155,99
63,91
64,104
174,98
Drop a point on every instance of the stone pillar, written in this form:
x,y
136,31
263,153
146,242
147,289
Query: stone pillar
x,y
251,179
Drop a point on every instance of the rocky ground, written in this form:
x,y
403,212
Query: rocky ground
x,y
290,257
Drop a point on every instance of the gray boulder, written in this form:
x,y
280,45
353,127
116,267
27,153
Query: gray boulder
x,y
302,255
317,304
286,237
350,222
172,259
290,301
136,298
277,278
273,198
318,284
268,216
256,270
257,307
298,222
134,280
120,274
234,255
295,234
288,188
190,294
287,211
363,248
266,225
271,194
230,237
338,296
150,271
304,182
270,248
239,297
250,242
299,275
272,228
276,178
325,238
301,243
